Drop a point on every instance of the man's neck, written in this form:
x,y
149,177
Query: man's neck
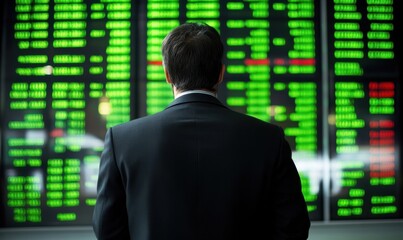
x,y
202,91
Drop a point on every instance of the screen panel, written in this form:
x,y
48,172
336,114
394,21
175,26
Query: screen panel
x,y
67,78
273,70
364,76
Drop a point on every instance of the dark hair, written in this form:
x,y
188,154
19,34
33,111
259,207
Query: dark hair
x,y
192,55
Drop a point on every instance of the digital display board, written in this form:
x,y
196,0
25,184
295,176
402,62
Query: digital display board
x,y
326,71
66,78
273,70
364,97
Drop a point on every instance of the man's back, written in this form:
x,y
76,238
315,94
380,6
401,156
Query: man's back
x,y
201,171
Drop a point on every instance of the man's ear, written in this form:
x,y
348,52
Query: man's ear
x,y
167,77
221,78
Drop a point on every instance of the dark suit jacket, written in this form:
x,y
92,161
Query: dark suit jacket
x,y
198,170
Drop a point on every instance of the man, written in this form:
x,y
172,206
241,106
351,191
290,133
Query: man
x,y
198,170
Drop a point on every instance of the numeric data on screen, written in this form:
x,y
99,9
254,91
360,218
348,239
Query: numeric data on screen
x,y
67,78
364,113
328,72
272,71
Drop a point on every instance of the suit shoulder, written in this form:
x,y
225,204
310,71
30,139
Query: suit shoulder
x,y
258,123
135,123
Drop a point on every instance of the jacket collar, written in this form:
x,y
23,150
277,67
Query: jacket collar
x,y
196,97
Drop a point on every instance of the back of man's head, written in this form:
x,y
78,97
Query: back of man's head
x,y
192,55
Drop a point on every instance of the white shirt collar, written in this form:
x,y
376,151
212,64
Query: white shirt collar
x,y
196,91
